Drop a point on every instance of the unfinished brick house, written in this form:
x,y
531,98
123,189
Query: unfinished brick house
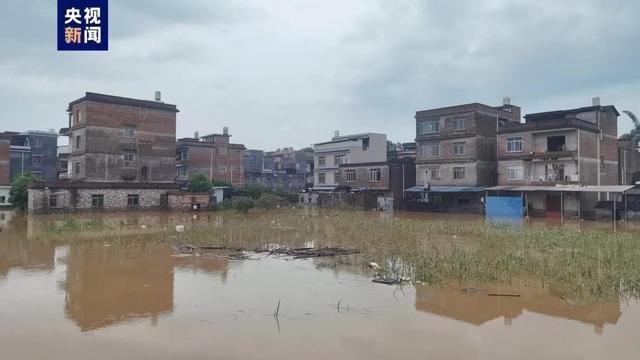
x,y
116,139
5,161
456,154
566,147
212,155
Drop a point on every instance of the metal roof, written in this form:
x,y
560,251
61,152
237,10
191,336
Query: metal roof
x,y
568,188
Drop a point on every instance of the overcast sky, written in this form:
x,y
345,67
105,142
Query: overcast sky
x,y
289,73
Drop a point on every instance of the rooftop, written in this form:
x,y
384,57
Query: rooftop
x,y
352,137
563,113
455,109
124,101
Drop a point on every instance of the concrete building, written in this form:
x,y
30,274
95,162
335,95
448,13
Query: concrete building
x,y
118,139
364,149
212,155
568,147
5,160
36,152
456,154
63,161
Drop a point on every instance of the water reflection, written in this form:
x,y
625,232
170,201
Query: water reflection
x,y
16,252
478,308
107,285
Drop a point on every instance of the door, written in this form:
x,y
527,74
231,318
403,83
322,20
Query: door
x,y
553,206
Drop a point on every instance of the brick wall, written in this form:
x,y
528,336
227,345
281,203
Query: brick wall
x,y
363,177
80,199
217,161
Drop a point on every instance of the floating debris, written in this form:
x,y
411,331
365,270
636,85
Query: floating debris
x,y
387,281
303,253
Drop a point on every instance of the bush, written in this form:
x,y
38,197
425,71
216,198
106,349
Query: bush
x,y
242,204
199,183
269,201
18,195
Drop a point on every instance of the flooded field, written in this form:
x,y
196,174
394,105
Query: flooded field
x,y
112,286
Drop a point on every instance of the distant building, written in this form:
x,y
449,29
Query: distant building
x,y
456,154
368,150
63,161
36,152
212,155
5,160
628,160
286,169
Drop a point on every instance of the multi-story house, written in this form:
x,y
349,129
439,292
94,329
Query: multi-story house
x,y
567,147
122,156
456,153
34,151
5,160
285,169
212,155
367,150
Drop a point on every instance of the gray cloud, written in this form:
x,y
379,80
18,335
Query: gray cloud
x,y
288,73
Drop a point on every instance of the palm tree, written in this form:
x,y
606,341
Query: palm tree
x,y
634,134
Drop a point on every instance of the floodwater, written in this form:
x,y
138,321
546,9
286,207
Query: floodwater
x,y
136,300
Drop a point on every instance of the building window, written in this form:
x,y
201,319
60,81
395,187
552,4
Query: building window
x,y
133,200
515,173
336,177
375,175
3,199
184,155
351,175
429,126
36,159
77,143
602,162
78,116
322,161
458,173
340,159
77,168
554,172
431,150
433,173
458,148
64,165
164,200
53,201
459,124
514,144
223,151
36,142
322,178
97,200
129,157
222,168
130,131
182,171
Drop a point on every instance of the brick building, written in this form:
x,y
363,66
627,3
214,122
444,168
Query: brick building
x,y
116,139
122,156
628,160
456,154
286,169
567,147
212,155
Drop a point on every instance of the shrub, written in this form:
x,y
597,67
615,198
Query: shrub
x,y
269,201
253,191
18,195
199,183
242,203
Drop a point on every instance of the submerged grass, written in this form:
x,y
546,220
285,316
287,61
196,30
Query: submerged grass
x,y
572,264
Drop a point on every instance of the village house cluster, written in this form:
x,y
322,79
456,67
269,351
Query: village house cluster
x,y
123,153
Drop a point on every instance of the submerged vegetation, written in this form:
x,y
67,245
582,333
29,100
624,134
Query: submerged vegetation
x,y
570,263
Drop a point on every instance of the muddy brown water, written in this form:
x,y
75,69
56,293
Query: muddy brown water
x,y
99,300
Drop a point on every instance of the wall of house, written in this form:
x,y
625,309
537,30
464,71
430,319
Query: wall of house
x,y
216,161
540,140
103,143
70,199
363,179
5,161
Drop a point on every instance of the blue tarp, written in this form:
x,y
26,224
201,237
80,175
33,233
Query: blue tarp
x,y
504,209
445,189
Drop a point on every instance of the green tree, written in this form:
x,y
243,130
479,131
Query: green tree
x,y
18,195
253,191
242,203
216,182
635,132
269,201
199,183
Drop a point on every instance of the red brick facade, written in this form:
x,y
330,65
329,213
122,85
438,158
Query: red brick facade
x,y
213,156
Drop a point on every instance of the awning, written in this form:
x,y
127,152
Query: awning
x,y
324,187
563,188
445,189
